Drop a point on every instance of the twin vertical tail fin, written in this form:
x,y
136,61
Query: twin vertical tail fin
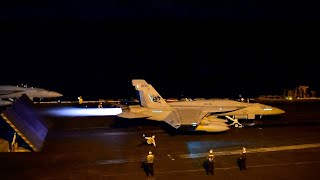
x,y
147,95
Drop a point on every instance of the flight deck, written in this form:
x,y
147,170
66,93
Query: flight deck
x,y
112,148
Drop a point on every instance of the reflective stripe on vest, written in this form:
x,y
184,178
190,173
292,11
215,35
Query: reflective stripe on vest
x,y
211,157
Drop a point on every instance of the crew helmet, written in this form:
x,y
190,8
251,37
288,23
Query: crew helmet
x,y
244,150
150,152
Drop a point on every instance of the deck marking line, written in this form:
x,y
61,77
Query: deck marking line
x,y
255,150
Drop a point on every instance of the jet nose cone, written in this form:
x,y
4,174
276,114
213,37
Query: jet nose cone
x,y
55,94
5,103
279,111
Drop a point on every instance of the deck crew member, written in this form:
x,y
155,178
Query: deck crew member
x,y
150,140
211,160
150,158
242,159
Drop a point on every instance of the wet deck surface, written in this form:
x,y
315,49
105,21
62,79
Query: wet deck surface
x,y
110,148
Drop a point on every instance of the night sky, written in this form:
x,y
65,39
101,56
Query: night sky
x,y
195,49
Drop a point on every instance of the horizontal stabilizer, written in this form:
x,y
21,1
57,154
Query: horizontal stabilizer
x,y
123,107
132,115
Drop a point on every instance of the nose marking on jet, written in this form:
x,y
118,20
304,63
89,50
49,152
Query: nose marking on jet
x,y
254,150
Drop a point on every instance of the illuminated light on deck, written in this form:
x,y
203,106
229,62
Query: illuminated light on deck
x,y
83,111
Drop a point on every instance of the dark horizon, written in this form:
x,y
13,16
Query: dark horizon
x,y
202,50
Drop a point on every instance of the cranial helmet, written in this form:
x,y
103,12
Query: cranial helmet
x,y
153,136
211,151
150,152
244,150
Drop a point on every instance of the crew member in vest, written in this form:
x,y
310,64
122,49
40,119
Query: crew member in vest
x,y
211,159
242,159
150,140
150,158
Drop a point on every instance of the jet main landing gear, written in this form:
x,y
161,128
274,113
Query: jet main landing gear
x,y
235,122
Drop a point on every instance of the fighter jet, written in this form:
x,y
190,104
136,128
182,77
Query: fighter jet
x,y
200,115
8,93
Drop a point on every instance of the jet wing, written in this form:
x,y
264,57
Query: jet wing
x,y
190,116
